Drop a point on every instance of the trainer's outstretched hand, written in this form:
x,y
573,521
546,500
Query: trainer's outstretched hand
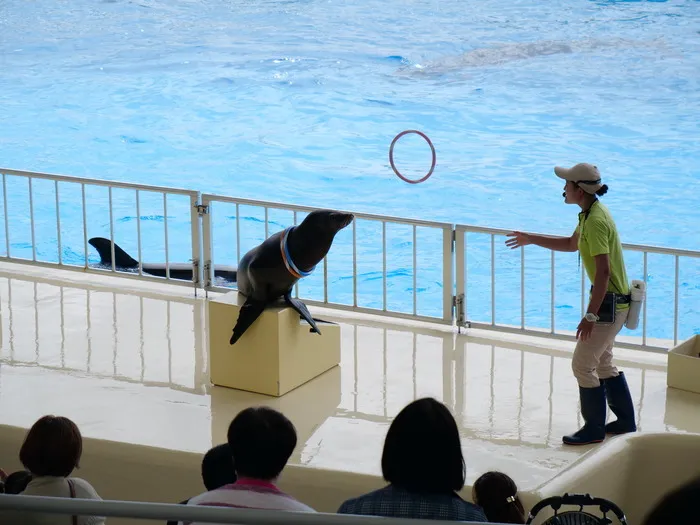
x,y
517,239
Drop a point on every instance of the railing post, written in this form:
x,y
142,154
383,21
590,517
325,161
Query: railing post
x,y
644,305
675,301
7,217
493,279
448,236
552,305
196,225
460,302
207,248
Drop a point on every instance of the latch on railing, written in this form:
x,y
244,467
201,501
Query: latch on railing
x,y
459,309
207,274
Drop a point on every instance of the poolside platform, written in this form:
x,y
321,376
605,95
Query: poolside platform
x,y
127,361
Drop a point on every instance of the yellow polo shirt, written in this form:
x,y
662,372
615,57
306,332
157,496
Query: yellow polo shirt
x,y
598,235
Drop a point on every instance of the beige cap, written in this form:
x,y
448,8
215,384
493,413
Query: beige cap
x,y
585,175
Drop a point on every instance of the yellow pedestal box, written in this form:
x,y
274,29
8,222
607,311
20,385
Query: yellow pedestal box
x,y
275,355
684,365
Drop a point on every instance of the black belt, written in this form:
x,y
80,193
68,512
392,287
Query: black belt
x,y
619,298
622,299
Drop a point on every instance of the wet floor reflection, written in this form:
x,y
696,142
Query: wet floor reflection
x,y
146,354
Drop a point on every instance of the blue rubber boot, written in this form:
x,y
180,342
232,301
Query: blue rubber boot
x,y
593,410
620,403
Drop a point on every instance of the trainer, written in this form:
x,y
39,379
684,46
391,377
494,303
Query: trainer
x,y
598,243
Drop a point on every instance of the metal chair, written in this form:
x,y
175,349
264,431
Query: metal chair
x,y
577,517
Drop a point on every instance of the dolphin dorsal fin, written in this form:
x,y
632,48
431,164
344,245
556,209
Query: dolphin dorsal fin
x,y
104,249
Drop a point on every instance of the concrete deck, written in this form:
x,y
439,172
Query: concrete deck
x,y
126,360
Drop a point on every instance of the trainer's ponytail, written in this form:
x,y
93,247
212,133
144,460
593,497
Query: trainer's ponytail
x,y
602,191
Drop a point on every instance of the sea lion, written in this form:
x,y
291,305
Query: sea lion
x,y
270,270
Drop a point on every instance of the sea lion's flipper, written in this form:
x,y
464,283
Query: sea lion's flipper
x,y
303,311
249,312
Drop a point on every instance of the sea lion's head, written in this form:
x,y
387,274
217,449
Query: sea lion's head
x,y
310,241
326,222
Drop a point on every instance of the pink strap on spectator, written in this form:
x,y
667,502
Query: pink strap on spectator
x,y
255,483
72,495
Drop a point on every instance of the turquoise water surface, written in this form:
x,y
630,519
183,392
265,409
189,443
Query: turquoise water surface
x,y
298,101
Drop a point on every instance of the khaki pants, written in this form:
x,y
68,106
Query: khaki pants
x,y
592,359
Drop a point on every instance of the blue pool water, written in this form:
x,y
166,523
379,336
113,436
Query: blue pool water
x,y
298,101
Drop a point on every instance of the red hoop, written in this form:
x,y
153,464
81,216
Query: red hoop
x,y
391,156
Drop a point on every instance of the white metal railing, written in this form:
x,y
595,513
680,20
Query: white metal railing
x,y
440,232
190,513
396,266
463,312
139,191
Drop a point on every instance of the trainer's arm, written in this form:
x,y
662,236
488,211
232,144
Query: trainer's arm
x,y
559,244
600,284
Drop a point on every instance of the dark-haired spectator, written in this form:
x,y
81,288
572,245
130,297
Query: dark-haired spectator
x,y
261,440
217,470
423,464
677,507
50,452
497,494
16,482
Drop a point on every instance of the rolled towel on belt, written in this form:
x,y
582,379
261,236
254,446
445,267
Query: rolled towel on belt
x,y
637,293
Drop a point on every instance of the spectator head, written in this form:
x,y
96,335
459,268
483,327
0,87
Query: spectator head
x,y
422,450
217,467
261,440
17,482
53,447
497,494
677,507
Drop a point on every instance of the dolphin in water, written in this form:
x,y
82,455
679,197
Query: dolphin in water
x,y
511,52
123,260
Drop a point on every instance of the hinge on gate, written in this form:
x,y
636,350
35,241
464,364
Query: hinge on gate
x,y
458,304
195,275
202,209
195,272
207,276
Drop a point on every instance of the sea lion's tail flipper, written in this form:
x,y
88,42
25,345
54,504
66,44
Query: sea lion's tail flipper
x,y
104,248
250,311
303,311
